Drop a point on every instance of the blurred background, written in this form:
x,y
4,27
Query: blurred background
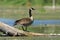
x,y
47,14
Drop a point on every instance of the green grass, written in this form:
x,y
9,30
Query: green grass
x,y
24,2
47,29
19,12
32,38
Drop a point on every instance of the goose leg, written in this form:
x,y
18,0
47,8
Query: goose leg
x,y
23,28
26,28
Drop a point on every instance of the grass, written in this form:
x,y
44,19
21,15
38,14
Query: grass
x,y
24,2
19,12
32,38
47,29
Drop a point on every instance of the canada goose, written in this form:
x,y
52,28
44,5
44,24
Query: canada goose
x,y
25,21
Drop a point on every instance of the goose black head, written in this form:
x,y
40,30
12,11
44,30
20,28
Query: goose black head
x,y
32,9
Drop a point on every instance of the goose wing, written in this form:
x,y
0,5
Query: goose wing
x,y
24,21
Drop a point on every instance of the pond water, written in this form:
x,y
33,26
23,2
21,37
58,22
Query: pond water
x,y
36,22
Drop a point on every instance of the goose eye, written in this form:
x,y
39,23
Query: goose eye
x,y
33,9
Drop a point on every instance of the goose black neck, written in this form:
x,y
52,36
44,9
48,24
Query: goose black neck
x,y
30,13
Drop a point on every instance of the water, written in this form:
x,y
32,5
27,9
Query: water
x,y
36,22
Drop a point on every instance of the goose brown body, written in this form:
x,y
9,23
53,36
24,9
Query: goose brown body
x,y
24,22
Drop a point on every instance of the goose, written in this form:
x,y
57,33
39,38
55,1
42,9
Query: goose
x,y
25,22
